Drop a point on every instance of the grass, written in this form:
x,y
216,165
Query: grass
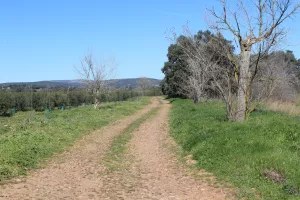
x,y
115,156
29,137
289,108
241,153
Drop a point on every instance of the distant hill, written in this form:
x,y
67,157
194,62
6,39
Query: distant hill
x,y
132,82
63,84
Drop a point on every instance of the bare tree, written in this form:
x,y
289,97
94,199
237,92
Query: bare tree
x,y
144,83
263,30
211,68
95,76
274,80
193,86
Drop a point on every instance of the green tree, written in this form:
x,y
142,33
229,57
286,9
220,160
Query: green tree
x,y
175,69
5,103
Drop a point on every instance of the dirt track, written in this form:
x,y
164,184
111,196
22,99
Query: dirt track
x,y
151,172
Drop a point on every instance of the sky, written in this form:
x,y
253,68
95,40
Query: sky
x,y
44,40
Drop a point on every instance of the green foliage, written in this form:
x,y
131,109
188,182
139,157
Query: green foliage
x,y
296,62
176,69
39,101
26,140
5,102
240,152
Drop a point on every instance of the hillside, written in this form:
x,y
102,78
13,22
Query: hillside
x,y
63,84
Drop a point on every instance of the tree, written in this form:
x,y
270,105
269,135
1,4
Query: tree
x,y
275,80
144,83
279,68
263,31
95,76
175,70
211,68
5,102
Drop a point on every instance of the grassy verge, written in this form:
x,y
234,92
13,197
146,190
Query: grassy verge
x,y
28,137
260,157
115,156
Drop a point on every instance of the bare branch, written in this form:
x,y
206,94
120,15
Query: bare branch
x,y
95,76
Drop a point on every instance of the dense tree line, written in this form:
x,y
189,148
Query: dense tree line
x,y
212,64
40,101
205,66
178,70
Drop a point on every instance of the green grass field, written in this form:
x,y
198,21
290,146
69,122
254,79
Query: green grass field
x,y
29,137
240,153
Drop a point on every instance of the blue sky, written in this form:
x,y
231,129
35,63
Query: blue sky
x,y
43,40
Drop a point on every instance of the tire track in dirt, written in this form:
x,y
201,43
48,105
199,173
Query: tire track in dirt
x,y
153,172
161,176
75,174
148,171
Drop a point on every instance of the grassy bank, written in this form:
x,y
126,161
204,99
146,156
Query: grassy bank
x,y
261,157
28,137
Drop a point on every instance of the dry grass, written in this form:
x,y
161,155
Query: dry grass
x,y
292,107
286,107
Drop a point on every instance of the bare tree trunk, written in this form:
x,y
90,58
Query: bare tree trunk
x,y
230,115
196,99
243,83
96,101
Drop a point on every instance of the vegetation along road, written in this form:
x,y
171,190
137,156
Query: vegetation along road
x,y
128,159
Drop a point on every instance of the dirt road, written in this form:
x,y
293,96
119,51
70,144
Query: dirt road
x,y
151,170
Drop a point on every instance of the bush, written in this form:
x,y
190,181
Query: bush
x,y
5,103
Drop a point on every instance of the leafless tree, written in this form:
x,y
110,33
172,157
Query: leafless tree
x,y
274,80
260,27
211,67
193,86
144,83
95,76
